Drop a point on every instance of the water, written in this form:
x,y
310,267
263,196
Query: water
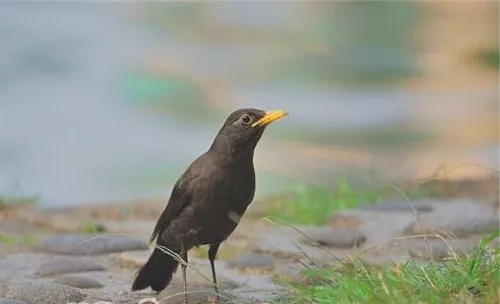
x,y
80,120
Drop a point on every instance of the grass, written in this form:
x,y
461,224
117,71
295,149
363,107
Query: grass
x,y
7,201
13,241
313,205
473,279
92,228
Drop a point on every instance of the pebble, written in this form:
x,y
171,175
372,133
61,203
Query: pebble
x,y
251,261
9,301
458,218
399,206
78,282
149,301
45,293
343,221
68,264
132,259
332,237
89,245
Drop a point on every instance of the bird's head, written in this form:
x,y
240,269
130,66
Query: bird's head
x,y
243,129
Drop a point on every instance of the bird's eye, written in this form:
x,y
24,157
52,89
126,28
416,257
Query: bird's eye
x,y
246,119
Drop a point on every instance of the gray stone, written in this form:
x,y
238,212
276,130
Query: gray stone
x,y
10,301
45,293
251,261
90,245
18,266
376,226
457,219
277,294
285,243
78,282
293,273
399,206
332,237
437,249
398,257
68,264
494,243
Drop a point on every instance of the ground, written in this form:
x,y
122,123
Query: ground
x,y
91,253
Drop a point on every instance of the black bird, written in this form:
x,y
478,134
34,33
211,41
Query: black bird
x,y
208,199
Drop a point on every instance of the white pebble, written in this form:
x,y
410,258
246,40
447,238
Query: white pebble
x,y
147,300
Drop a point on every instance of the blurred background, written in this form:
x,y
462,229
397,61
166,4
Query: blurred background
x,y
111,101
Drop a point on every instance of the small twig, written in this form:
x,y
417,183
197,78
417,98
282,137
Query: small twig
x,y
177,257
313,241
291,239
415,211
297,245
164,249
437,174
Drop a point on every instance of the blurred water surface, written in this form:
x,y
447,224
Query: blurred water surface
x,y
108,101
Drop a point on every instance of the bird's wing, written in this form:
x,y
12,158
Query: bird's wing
x,y
179,199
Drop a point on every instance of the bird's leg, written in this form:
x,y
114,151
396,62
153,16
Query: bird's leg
x,y
184,257
212,254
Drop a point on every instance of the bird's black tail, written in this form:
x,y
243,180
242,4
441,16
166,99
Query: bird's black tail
x,y
157,272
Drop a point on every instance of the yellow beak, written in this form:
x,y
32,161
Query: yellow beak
x,y
269,118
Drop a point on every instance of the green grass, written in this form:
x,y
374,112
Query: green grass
x,y
313,205
473,279
92,228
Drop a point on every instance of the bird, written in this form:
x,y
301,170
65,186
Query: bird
x,y
207,201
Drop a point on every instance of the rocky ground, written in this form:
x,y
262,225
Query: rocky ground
x,y
62,263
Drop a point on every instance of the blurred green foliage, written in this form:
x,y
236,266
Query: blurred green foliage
x,y
382,137
489,58
6,201
173,95
92,228
17,240
313,205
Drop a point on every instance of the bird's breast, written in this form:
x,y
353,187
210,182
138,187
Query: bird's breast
x,y
217,205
